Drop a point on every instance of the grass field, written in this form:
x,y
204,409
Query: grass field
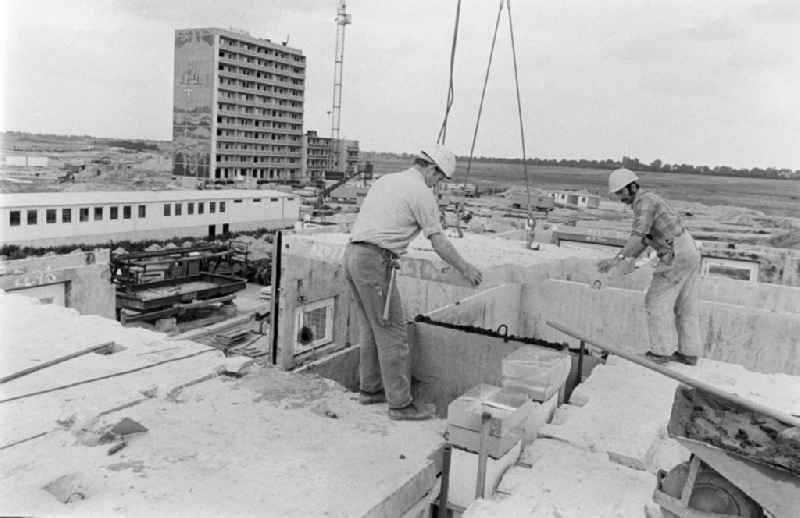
x,y
773,197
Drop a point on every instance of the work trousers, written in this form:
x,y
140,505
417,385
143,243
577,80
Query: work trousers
x,y
672,302
384,358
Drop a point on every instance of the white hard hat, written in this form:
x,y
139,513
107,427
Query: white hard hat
x,y
620,178
439,155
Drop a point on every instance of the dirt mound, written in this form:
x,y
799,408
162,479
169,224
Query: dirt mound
x,y
790,239
739,216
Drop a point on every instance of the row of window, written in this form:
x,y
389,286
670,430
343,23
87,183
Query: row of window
x,y
86,214
248,159
51,215
255,147
190,206
264,63
238,44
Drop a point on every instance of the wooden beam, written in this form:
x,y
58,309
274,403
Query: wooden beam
x,y
60,359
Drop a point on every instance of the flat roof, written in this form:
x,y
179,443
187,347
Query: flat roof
x,y
40,199
243,35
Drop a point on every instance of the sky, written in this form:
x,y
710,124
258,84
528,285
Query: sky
x,y
711,82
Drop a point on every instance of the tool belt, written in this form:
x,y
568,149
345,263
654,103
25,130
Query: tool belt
x,y
391,256
664,247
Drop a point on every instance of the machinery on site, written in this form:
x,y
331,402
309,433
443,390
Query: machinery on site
x,y
324,193
744,460
181,282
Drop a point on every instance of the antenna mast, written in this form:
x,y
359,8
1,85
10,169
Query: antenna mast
x,y
342,20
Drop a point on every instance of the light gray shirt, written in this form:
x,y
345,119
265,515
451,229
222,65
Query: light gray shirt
x,y
397,208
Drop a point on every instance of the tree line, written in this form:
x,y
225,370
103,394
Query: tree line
x,y
632,163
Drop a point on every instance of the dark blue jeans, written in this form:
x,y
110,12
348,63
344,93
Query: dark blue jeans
x,y
384,358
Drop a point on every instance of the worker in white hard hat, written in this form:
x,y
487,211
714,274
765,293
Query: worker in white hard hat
x,y
396,209
671,302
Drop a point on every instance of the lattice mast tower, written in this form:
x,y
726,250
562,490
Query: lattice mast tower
x,y
343,19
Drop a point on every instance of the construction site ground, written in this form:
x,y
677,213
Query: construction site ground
x,y
227,434
234,437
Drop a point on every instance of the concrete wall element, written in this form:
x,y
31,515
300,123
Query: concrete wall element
x,y
448,362
488,309
421,296
341,367
760,340
304,281
85,276
764,296
776,265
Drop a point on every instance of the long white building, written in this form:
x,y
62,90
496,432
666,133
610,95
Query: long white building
x,y
62,218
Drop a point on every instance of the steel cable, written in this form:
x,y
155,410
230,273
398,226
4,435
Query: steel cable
x,y
483,93
450,94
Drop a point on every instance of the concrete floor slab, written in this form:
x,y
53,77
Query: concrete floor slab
x,y
566,482
258,446
627,409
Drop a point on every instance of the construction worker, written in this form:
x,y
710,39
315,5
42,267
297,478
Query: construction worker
x,y
671,301
396,209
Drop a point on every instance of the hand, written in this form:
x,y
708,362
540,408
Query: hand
x,y
606,264
473,275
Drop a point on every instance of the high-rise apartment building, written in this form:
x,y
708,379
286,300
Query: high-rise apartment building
x,y
238,107
324,157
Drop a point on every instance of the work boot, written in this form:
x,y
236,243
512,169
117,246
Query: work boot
x,y
660,359
413,412
687,359
372,398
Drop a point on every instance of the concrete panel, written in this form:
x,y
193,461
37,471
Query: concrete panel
x,y
617,393
422,296
448,362
567,482
341,367
759,340
85,277
305,281
488,309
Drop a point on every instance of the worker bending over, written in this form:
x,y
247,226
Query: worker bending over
x,y
397,207
672,298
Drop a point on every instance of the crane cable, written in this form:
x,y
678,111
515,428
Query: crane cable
x,y
519,110
483,93
443,130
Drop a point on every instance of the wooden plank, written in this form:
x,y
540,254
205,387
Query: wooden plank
x,y
60,359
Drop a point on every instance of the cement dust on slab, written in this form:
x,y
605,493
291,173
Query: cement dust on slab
x,y
481,249
271,443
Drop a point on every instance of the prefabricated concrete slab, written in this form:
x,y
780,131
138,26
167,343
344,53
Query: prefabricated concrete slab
x,y
146,365
567,482
627,409
252,446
